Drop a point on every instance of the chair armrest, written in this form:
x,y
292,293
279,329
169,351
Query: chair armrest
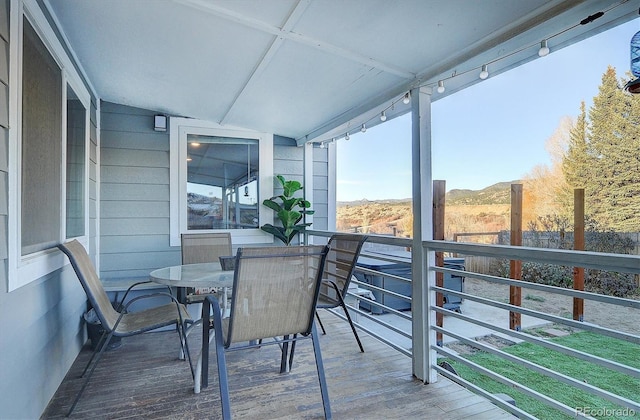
x,y
130,288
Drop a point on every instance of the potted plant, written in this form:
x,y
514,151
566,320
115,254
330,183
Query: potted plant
x,y
289,211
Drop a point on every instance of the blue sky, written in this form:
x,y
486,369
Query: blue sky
x,y
494,131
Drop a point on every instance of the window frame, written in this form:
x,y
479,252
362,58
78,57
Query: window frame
x,y
179,128
24,269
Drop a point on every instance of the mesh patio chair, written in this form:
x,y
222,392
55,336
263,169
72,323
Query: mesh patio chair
x,y
202,248
338,269
123,323
274,294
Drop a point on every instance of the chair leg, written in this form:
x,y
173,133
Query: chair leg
x,y
293,349
320,322
326,404
97,348
93,367
184,345
285,352
353,328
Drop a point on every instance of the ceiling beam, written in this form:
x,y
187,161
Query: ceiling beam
x,y
271,51
288,34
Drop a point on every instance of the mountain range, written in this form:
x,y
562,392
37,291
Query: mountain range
x,y
499,193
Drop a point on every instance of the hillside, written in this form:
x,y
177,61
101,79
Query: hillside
x,y
485,210
499,193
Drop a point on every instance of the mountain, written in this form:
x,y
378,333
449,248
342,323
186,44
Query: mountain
x,y
499,193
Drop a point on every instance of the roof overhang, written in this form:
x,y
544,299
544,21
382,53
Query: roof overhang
x,y
309,69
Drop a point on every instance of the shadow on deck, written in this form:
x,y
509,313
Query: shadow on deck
x,y
144,379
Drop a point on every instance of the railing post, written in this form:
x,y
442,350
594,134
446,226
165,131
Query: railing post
x,y
439,192
515,266
578,245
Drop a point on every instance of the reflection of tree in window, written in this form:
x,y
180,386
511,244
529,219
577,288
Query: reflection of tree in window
x,y
222,182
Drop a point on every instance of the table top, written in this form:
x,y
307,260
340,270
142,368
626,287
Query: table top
x,y
193,275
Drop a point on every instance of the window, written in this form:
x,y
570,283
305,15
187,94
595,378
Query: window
x,y
219,178
222,182
41,145
48,118
76,165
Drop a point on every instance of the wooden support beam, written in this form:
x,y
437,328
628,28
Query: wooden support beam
x,y
439,192
515,266
578,244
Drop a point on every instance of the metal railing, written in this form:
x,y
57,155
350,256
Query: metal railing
x,y
393,326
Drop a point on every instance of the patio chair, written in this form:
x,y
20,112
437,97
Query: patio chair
x,y
123,323
338,268
202,248
274,294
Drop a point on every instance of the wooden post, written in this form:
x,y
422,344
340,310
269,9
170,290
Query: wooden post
x,y
578,244
439,192
515,266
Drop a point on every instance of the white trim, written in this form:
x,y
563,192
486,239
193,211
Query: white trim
x,y
22,270
332,206
308,187
178,129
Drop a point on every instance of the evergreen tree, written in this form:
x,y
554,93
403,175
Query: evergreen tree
x,y
604,156
576,162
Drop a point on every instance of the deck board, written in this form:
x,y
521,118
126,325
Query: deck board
x,y
144,379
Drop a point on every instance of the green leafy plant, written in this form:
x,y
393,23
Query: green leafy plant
x,y
289,211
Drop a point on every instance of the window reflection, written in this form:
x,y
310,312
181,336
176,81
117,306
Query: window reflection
x,y
222,182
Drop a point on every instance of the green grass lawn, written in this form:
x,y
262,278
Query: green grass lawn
x,y
609,348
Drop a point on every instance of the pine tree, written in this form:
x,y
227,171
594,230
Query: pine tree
x,y
604,156
577,161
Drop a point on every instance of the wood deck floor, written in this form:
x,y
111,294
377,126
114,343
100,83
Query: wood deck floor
x,y
144,379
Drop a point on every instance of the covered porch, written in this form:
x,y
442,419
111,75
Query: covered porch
x,y
134,82
144,379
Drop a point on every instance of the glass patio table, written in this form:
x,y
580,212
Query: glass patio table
x,y
193,275
196,275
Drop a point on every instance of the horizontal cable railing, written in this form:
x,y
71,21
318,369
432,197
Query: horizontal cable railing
x,y
392,326
606,262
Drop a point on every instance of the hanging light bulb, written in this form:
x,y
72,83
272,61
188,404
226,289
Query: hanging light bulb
x,y
346,137
407,98
333,140
363,128
485,72
246,191
383,116
544,49
322,145
441,87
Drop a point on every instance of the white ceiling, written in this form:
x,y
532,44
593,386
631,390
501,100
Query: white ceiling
x,y
308,69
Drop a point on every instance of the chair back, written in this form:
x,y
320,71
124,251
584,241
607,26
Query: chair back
x,y
275,290
340,263
91,283
205,247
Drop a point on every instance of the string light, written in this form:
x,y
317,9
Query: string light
x,y
485,72
544,49
322,146
363,128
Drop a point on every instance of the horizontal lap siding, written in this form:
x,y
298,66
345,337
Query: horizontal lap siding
x,y
134,194
134,191
41,322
